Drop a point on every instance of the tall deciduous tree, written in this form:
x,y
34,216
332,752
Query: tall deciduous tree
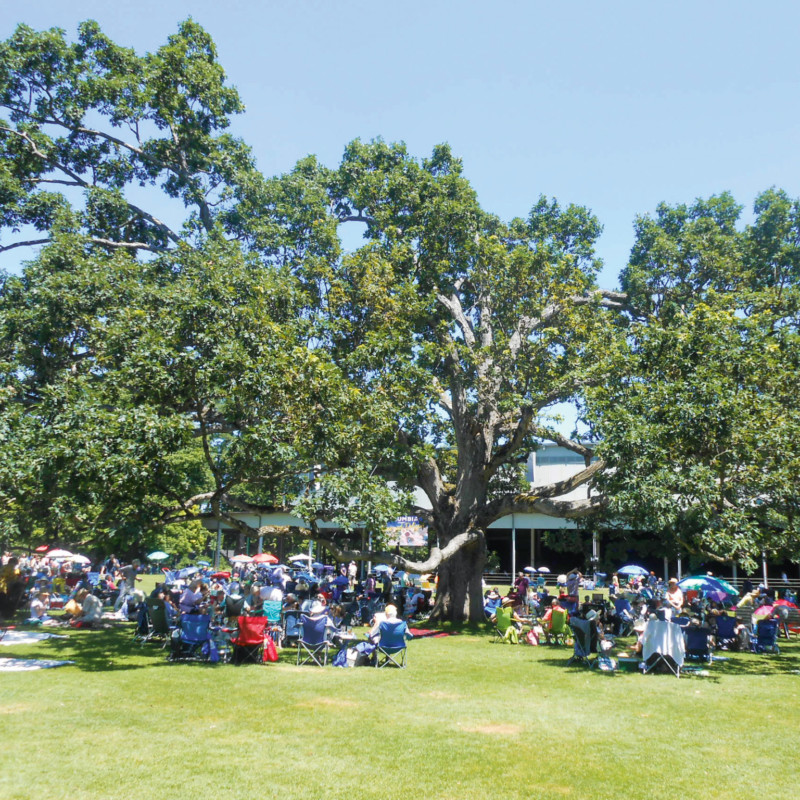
x,y
155,371
699,416
467,329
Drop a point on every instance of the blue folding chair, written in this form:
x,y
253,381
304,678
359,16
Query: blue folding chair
x,y
192,640
726,630
624,613
313,642
766,640
391,647
291,625
697,643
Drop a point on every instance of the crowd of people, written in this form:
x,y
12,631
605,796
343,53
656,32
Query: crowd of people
x,y
531,609
88,594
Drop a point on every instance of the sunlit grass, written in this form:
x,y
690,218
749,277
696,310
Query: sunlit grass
x,y
466,719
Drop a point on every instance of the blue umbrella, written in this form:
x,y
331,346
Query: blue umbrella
x,y
632,569
203,564
306,577
188,572
340,580
317,565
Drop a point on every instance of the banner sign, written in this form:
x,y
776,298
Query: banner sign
x,y
407,532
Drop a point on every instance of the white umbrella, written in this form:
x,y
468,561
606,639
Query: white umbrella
x,y
79,559
543,569
300,557
59,554
241,559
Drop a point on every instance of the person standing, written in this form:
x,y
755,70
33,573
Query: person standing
x,y
129,576
674,594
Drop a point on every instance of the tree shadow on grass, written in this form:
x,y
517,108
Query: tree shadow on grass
x,y
94,650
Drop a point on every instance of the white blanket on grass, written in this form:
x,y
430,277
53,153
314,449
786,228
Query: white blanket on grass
x,y
27,637
26,664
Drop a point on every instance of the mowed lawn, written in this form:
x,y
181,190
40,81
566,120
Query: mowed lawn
x,y
466,719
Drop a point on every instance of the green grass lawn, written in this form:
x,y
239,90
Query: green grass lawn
x,y
466,719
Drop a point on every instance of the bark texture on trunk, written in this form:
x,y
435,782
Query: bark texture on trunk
x,y
459,595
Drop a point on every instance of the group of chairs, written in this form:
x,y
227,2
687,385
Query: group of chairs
x,y
314,642
697,642
194,638
504,629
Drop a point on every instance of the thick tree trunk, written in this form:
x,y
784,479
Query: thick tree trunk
x,y
459,595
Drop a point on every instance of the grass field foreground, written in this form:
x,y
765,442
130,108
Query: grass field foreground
x,y
466,719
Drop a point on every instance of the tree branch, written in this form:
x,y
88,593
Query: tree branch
x,y
437,556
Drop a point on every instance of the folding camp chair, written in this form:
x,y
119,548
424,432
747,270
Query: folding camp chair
x,y
248,644
153,623
313,641
570,603
766,638
192,640
141,633
272,611
504,629
625,616
291,625
558,629
584,634
697,643
234,607
663,647
726,631
392,643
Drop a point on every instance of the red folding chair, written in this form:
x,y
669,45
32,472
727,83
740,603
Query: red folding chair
x,y
248,644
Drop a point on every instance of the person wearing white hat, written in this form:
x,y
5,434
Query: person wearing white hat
x,y
674,594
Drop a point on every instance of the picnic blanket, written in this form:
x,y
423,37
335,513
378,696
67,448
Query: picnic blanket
x,y
423,633
27,664
27,637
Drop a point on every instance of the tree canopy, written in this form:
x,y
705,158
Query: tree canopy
x,y
698,422
192,341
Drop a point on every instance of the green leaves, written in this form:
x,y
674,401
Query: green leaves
x,y
698,421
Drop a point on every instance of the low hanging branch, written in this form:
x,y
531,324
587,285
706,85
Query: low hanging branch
x,y
436,558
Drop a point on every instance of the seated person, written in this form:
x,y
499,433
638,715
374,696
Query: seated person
x,y
74,606
40,604
389,615
674,595
492,600
254,602
91,610
191,598
290,603
548,616
517,622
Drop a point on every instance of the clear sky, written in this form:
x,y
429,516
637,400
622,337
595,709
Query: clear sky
x,y
616,106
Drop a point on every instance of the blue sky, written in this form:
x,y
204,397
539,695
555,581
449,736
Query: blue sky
x,y
616,106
